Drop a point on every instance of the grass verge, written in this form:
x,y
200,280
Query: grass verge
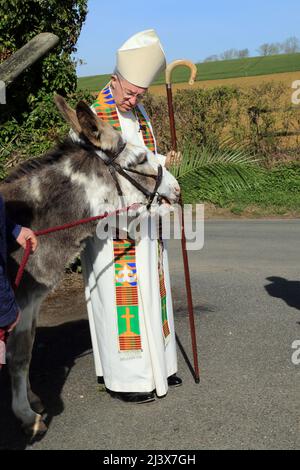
x,y
276,194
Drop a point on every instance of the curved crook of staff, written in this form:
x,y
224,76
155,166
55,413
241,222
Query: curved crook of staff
x,y
169,69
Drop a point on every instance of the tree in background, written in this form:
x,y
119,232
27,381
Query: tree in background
x,y
211,58
269,49
291,45
20,22
243,53
264,49
228,55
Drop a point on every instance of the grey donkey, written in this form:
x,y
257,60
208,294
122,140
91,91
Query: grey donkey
x,y
68,183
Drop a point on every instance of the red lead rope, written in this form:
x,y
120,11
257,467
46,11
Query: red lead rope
x,y
39,233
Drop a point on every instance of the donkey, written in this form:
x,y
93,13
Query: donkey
x,y
70,182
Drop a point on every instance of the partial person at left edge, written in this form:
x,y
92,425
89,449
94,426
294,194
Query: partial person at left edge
x,y
9,310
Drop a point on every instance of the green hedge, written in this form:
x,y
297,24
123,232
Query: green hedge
x,y
203,117
207,116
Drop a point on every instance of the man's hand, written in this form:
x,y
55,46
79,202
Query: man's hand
x,y
27,234
173,159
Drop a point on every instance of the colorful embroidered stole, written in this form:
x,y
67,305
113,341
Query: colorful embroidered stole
x,y
162,290
124,250
127,296
106,110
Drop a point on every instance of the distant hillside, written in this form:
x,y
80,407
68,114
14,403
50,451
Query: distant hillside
x,y
247,67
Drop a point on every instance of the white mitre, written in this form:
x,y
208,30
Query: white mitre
x,y
141,58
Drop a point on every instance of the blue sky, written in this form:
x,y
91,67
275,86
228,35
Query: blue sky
x,y
188,29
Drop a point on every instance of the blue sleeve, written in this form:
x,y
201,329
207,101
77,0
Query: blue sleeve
x,y
8,306
12,229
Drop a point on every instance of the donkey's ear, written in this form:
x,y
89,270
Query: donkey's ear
x,y
91,126
68,113
98,132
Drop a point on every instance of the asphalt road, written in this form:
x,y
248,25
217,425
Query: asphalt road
x,y
246,288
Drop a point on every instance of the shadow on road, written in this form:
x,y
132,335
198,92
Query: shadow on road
x,y
54,354
289,291
55,351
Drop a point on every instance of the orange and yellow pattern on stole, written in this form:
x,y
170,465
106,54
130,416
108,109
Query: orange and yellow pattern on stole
x,y
127,296
163,292
146,131
105,107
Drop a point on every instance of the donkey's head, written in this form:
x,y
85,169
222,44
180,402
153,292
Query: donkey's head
x,y
109,145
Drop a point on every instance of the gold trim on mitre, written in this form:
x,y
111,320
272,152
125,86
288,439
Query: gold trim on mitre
x,y
141,58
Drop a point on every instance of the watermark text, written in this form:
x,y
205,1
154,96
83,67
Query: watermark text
x,y
2,92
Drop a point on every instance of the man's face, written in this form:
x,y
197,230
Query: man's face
x,y
126,94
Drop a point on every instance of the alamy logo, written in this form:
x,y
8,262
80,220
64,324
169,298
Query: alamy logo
x,y
2,92
296,94
159,221
296,353
2,352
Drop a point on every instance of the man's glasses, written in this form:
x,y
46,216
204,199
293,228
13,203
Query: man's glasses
x,y
127,95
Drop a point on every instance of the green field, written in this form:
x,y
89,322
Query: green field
x,y
248,67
